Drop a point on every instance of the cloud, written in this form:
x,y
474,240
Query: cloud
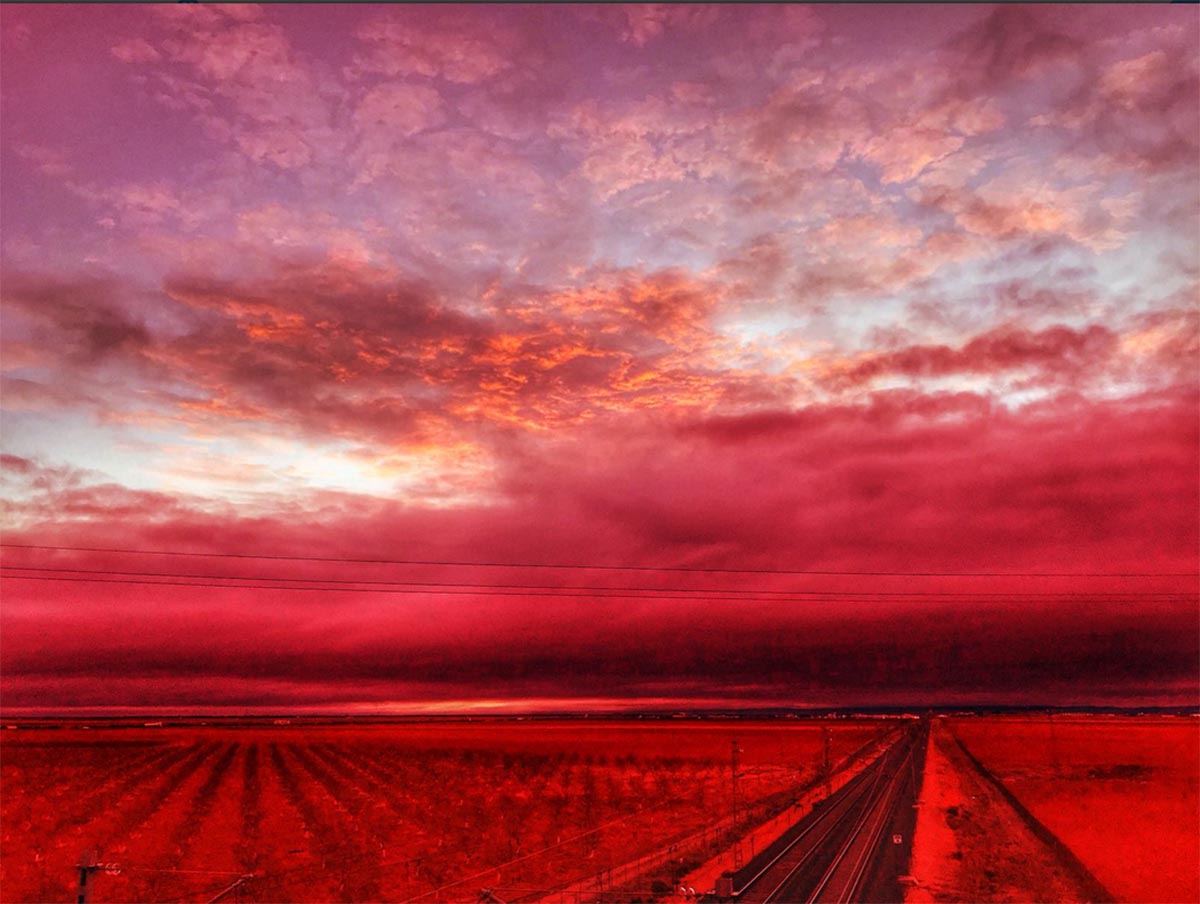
x,y
806,659
244,82
1088,486
135,50
1056,351
805,126
1012,43
452,46
1013,209
49,161
652,285
16,464
85,321
344,348
1140,113
399,109
904,153
645,22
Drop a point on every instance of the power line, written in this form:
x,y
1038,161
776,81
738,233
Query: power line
x,y
408,591
182,872
435,587
687,569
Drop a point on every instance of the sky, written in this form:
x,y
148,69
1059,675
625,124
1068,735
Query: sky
x,y
854,349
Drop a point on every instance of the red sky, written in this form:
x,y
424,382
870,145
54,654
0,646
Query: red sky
x,y
830,289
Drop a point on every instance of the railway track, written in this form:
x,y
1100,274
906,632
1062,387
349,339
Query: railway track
x,y
845,850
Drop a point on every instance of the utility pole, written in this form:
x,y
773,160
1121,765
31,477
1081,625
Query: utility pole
x,y
88,867
1053,746
733,781
825,768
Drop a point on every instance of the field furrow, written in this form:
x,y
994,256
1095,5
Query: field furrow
x,y
431,810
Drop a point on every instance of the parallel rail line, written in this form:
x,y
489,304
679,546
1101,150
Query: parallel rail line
x,y
832,853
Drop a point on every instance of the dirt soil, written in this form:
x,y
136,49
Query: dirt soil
x,y
1123,793
971,845
377,812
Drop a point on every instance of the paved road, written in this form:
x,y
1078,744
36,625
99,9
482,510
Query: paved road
x,y
846,849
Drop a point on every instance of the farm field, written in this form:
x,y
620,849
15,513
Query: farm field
x,y
426,811
1121,793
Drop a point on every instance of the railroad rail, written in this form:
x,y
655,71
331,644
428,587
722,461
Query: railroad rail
x,y
842,851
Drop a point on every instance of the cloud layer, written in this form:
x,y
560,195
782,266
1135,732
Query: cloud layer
x,y
644,286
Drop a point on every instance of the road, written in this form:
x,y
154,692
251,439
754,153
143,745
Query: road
x,y
854,846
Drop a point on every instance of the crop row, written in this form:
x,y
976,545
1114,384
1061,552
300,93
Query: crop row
x,y
347,821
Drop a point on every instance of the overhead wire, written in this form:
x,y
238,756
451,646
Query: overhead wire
x,y
687,569
677,595
525,589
